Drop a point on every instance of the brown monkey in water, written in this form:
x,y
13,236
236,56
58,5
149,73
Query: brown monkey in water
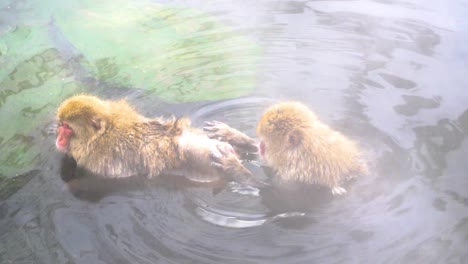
x,y
297,146
111,140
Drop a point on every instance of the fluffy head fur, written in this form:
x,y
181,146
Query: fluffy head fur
x,y
299,147
119,113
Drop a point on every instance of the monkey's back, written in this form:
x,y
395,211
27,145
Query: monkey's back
x,y
146,147
325,157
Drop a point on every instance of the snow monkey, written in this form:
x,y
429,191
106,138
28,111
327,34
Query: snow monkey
x,y
112,140
297,146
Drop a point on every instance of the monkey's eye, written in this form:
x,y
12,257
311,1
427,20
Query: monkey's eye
x,y
63,124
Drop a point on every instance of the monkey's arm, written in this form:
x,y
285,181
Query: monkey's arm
x,y
229,164
241,142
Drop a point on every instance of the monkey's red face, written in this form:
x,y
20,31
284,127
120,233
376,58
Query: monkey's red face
x,y
261,148
64,132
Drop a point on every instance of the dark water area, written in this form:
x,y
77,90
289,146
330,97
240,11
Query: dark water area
x,y
392,75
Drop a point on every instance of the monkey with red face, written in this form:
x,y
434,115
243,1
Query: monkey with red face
x,y
297,146
112,140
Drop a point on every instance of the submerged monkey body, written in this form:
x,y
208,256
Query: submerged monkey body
x,y
111,139
298,147
322,155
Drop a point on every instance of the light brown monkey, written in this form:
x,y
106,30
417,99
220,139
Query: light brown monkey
x,y
297,146
111,140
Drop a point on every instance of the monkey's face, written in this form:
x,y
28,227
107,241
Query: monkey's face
x,y
271,149
271,137
64,133
79,121
261,148
73,135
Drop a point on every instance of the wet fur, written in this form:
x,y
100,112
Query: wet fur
x,y
129,144
322,155
297,146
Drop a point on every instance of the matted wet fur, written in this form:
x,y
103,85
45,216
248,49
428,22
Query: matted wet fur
x,y
298,147
112,140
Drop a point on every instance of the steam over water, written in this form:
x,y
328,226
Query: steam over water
x,y
392,75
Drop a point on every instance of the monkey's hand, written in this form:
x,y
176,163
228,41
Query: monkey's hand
x,y
228,163
240,141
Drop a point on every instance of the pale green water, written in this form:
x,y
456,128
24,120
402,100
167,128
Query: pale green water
x,y
53,49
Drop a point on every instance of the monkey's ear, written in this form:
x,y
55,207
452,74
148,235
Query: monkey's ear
x,y
96,123
294,138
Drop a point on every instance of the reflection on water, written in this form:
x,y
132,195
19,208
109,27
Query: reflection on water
x,y
390,74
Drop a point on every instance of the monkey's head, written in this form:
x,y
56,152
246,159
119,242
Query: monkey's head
x,y
80,119
282,126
